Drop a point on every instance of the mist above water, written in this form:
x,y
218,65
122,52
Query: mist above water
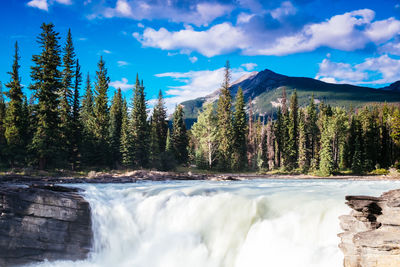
x,y
220,224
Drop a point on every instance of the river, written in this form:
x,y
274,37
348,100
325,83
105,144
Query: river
x,y
274,223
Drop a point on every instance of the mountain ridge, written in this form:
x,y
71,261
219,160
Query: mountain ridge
x,y
264,88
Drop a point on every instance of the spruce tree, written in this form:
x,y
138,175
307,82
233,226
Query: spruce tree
x,y
126,149
14,123
278,129
313,133
271,144
3,141
303,160
292,141
225,129
326,165
240,129
47,84
140,127
116,113
179,136
159,119
101,115
66,93
76,125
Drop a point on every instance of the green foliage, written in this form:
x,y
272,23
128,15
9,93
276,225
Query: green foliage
x,y
225,129
101,117
291,145
139,127
126,146
326,166
47,84
179,138
240,130
76,125
205,133
15,124
116,112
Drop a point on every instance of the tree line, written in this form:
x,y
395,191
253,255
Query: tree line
x,y
57,128
317,138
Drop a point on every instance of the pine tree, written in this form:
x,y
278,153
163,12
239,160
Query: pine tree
x,y
303,160
326,164
313,133
284,134
358,154
278,129
3,141
140,128
179,136
101,115
116,113
66,93
47,84
270,144
225,129
14,123
76,125
205,132
292,141
126,149
159,118
240,129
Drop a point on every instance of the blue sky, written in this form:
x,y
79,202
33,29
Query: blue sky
x,y
180,47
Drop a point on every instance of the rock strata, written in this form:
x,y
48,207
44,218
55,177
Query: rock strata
x,y
43,222
371,236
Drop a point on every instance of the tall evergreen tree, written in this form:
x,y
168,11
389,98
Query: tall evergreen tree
x,y
47,84
271,144
303,160
159,119
3,141
291,146
76,125
327,164
278,129
240,129
313,133
87,122
66,93
140,127
14,123
224,115
116,113
179,136
101,114
126,147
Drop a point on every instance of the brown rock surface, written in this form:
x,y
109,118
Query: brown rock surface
x,y
371,236
43,222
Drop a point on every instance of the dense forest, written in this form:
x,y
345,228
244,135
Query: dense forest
x,y
58,128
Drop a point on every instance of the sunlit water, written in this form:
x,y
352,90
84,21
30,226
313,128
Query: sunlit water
x,y
272,223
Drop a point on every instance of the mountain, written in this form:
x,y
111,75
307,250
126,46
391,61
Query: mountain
x,y
265,90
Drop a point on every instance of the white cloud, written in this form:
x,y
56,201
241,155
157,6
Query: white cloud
x,y
193,59
44,4
244,18
348,32
122,63
249,66
106,51
219,39
391,48
376,70
198,14
41,4
286,9
140,25
195,84
123,84
82,39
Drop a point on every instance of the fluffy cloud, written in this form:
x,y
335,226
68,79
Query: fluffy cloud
x,y
44,4
123,84
348,32
195,84
219,39
376,70
194,12
122,63
249,66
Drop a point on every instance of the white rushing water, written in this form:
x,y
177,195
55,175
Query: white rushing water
x,y
220,224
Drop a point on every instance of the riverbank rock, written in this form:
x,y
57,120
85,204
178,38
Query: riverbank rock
x,y
43,222
371,236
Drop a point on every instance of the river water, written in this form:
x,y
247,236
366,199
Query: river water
x,y
269,223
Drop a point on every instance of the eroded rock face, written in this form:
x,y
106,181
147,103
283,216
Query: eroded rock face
x,y
43,222
371,236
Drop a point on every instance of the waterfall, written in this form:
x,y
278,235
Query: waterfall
x,y
252,223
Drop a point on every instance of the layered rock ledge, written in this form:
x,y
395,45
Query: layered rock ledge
x,y
43,222
371,236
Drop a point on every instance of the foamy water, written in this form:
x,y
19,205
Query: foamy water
x,y
220,224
